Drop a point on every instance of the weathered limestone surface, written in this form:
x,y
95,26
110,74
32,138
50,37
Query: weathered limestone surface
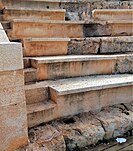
x,y
13,126
76,10
84,46
72,66
82,130
11,56
45,46
109,28
89,94
25,13
112,14
13,114
45,29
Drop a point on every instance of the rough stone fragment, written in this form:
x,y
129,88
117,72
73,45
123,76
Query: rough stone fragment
x,y
81,130
11,56
13,126
84,46
116,44
125,64
49,137
115,122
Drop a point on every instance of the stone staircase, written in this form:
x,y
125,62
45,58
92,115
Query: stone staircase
x,y
71,66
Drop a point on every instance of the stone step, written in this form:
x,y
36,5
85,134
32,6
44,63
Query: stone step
x,y
77,95
29,28
109,28
57,67
40,113
45,46
37,92
30,75
28,13
100,45
112,14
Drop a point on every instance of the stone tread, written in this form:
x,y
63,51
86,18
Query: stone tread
x,y
73,58
90,83
46,39
38,107
30,9
48,21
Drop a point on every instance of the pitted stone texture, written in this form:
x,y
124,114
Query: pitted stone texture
x,y
102,45
84,46
124,64
11,87
11,13
116,44
84,130
11,56
13,126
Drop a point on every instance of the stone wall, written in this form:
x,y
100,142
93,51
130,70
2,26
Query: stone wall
x,y
13,115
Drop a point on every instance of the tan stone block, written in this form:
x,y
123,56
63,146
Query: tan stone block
x,y
45,29
113,14
11,57
32,4
11,78
73,69
11,95
118,95
76,103
45,46
13,127
26,13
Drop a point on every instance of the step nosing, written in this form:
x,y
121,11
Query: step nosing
x,y
48,21
91,83
41,60
95,88
30,9
46,39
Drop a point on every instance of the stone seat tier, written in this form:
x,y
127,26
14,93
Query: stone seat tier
x,y
29,28
57,67
28,13
75,95
45,46
112,14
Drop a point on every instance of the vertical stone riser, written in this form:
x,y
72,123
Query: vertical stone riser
x,y
73,69
72,104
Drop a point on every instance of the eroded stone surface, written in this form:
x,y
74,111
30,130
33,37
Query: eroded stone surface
x,y
82,130
11,56
13,126
100,45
